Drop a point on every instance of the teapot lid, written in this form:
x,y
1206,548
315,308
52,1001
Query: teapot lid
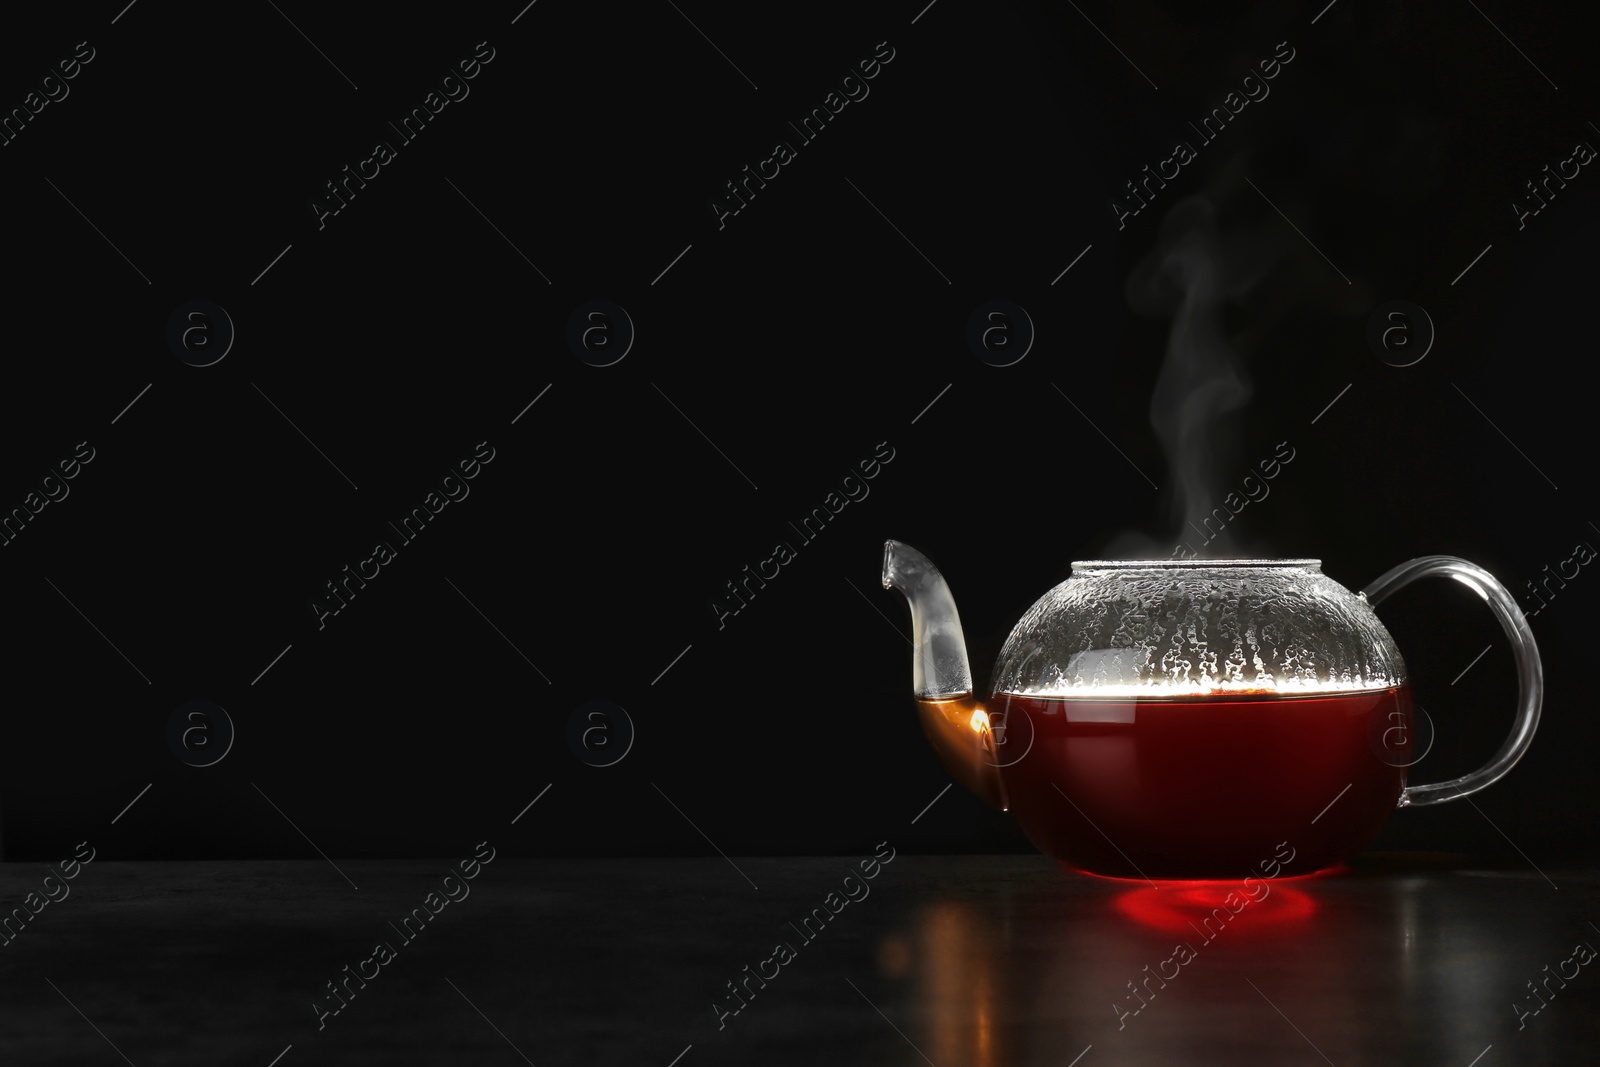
x,y
1156,629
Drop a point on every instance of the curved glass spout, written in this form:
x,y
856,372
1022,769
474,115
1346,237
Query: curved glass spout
x,y
953,719
939,665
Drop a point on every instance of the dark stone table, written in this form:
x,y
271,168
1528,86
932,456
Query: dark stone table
x,y
949,960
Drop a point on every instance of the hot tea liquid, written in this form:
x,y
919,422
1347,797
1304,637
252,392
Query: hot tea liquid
x,y
1203,787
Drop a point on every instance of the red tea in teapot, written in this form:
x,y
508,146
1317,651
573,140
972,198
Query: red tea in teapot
x,y
1202,786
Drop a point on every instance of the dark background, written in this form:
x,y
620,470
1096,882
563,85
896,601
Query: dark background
x,y
796,339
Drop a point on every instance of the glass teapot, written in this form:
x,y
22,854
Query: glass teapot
x,y
1194,718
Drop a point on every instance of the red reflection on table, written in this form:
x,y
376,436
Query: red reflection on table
x,y
1207,907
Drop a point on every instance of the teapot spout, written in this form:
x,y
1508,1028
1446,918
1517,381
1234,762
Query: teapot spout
x,y
953,719
939,667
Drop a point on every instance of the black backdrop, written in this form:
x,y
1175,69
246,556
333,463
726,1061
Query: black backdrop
x,y
771,356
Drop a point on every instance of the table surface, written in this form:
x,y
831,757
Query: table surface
x,y
943,960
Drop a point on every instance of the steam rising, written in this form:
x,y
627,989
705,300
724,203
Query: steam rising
x,y
1189,275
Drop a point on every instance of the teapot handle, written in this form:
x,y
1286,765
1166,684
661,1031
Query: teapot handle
x,y
1530,671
